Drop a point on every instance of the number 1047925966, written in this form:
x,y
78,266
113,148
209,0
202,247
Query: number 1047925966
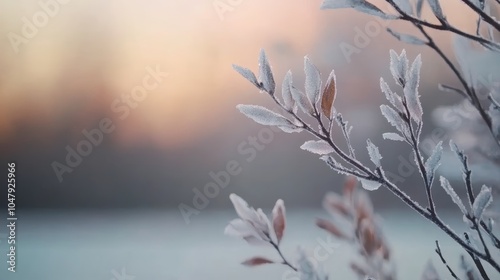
x,y
11,218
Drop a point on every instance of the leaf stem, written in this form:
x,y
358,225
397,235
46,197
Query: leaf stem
x,y
285,262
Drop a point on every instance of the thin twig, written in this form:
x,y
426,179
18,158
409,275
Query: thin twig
x,y
494,238
440,254
444,26
285,262
483,15
418,156
476,261
472,96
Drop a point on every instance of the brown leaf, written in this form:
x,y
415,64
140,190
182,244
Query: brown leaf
x,y
368,237
349,187
334,203
363,206
331,228
279,219
256,261
328,96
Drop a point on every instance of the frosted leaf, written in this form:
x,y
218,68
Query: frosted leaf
x,y
399,66
403,60
265,73
368,8
374,153
433,162
242,208
279,219
264,116
338,4
328,95
247,74
430,272
393,136
406,38
394,66
451,192
405,5
392,97
494,113
369,185
411,90
290,129
454,148
256,241
312,81
398,103
305,268
301,100
359,5
436,9
394,119
320,147
332,228
460,154
467,221
490,224
239,228
288,101
483,199
389,95
418,7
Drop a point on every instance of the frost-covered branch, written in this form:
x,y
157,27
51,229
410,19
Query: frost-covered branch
x,y
402,113
406,12
471,94
444,24
480,11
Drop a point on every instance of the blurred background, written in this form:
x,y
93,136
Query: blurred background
x,y
67,66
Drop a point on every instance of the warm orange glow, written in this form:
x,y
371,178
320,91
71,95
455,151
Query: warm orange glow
x,y
92,52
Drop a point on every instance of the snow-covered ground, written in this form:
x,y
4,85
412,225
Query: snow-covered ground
x,y
159,245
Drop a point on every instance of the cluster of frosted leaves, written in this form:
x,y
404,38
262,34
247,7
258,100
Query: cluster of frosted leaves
x,y
481,201
463,123
255,227
316,100
480,68
407,7
408,78
313,100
